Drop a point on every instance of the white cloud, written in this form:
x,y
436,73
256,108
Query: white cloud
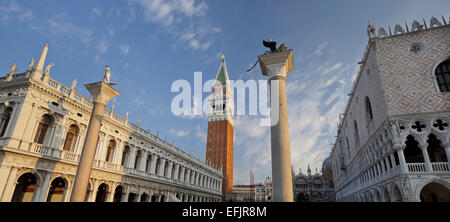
x,y
166,12
96,11
179,133
332,69
320,49
10,10
124,48
59,25
102,46
184,19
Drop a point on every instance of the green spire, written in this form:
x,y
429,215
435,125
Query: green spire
x,y
222,75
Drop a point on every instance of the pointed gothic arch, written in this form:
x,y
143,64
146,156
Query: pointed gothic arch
x,y
413,153
442,76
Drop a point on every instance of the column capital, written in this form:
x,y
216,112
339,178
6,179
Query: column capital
x,y
101,92
277,63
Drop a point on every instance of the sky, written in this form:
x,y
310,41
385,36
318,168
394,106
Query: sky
x,y
149,44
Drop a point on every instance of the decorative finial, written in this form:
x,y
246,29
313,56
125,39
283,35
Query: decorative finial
x,y
371,30
31,65
425,24
223,58
126,115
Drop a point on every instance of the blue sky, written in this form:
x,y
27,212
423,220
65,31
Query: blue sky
x,y
149,44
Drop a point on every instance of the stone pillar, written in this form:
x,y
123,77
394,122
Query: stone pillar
x,y
143,160
161,167
187,176
392,159
42,189
177,169
447,151
428,166
10,182
101,93
276,65
169,170
401,157
153,164
182,173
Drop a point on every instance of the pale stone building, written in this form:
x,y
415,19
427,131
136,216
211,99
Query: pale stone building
x,y
316,187
392,141
43,126
247,193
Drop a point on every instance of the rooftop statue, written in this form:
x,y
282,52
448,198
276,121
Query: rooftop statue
x,y
13,69
272,45
107,78
47,69
31,65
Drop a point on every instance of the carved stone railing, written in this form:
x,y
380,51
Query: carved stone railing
x,y
416,167
440,166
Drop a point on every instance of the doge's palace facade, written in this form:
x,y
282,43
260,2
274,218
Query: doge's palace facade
x,y
393,141
42,129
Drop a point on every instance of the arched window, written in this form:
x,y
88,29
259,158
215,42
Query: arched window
x,y
125,154
102,193
118,194
5,117
413,153
369,115
71,138
442,73
44,124
435,150
158,161
56,191
356,132
148,163
25,188
110,150
138,159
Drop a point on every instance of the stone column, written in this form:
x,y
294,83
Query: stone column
x,y
428,166
177,169
42,189
276,65
161,167
392,159
401,157
153,165
182,173
143,160
169,170
101,93
447,151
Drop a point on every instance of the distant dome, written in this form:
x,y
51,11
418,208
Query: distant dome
x,y
327,163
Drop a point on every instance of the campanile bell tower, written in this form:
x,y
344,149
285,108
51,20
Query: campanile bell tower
x,y
219,144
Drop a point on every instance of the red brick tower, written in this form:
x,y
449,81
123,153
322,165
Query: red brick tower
x,y
219,144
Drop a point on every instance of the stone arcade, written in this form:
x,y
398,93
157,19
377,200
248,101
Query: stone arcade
x,y
43,126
